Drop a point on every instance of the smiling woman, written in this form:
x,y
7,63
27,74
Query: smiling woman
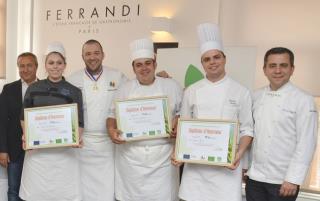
x,y
55,65
58,167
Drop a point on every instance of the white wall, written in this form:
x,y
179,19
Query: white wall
x,y
265,24
240,60
11,40
2,82
115,37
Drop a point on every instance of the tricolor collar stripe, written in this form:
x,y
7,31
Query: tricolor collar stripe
x,y
92,77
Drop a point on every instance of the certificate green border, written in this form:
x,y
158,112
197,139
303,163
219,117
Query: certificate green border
x,y
166,118
233,134
74,120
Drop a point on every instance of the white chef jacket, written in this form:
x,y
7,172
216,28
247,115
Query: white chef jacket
x,y
97,96
97,155
224,99
143,168
285,135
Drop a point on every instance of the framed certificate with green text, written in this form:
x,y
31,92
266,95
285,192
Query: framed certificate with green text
x,y
143,118
51,126
211,142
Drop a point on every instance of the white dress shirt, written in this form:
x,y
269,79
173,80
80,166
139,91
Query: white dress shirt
x,y
25,87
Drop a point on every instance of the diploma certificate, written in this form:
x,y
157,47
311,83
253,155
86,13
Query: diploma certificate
x,y
144,118
206,141
51,126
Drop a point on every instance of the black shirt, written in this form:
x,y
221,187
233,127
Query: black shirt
x,y
46,93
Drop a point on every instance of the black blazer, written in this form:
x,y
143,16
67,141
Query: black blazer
x,y
10,128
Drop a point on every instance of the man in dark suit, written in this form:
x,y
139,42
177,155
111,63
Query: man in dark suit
x,y
11,99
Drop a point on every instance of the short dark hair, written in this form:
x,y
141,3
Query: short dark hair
x,y
223,54
92,41
28,54
279,50
153,60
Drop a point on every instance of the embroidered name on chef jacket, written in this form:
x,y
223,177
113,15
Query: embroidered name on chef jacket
x,y
233,102
289,111
273,94
112,86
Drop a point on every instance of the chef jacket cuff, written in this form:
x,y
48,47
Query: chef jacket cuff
x,y
296,173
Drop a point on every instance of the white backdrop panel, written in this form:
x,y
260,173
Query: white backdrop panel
x,y
74,21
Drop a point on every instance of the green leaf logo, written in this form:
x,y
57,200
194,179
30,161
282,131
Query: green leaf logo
x,y
193,75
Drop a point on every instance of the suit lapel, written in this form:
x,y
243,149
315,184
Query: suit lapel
x,y
18,91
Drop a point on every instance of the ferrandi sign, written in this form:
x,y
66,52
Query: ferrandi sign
x,y
88,19
115,24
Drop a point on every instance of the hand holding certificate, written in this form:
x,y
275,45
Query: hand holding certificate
x,y
144,118
51,126
206,142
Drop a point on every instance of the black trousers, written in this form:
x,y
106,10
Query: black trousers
x,y
260,191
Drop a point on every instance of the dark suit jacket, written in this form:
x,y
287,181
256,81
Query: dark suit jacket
x,y
10,129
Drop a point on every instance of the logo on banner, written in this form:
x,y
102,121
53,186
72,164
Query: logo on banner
x,y
89,19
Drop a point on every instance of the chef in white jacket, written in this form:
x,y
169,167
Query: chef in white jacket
x,y
143,168
216,97
285,132
98,84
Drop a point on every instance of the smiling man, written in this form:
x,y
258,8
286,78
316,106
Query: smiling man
x,y
98,84
285,132
11,152
143,168
216,97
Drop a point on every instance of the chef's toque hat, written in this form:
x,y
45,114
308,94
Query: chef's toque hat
x,y
56,47
141,48
209,37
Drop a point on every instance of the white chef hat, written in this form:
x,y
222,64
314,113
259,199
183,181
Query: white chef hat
x,y
141,48
209,37
56,47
